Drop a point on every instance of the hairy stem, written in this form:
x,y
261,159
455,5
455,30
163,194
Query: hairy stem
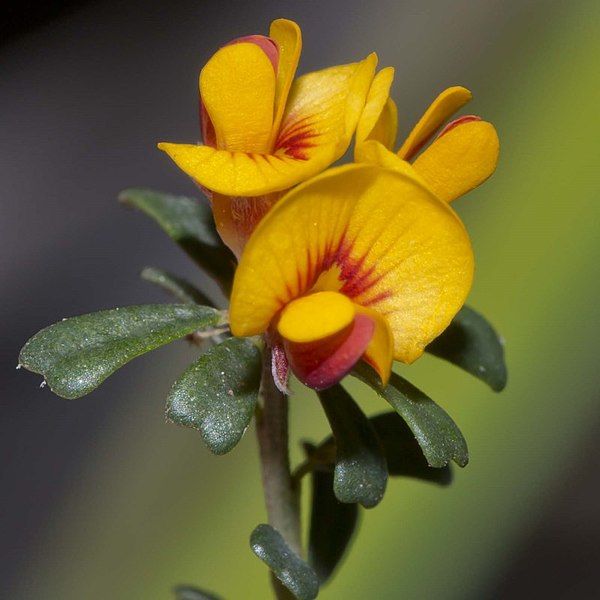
x,y
281,495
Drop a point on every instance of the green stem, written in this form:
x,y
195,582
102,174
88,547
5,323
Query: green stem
x,y
281,495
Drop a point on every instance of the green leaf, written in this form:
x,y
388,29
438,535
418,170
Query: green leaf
x,y
437,434
183,290
360,473
332,524
297,575
471,343
402,451
218,393
77,354
190,223
403,454
186,592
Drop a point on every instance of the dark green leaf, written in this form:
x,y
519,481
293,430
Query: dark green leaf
x,y
218,393
77,354
402,451
403,454
437,434
190,223
186,592
360,473
183,290
297,576
332,524
471,343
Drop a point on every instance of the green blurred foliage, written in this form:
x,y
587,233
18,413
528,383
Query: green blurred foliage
x,y
184,516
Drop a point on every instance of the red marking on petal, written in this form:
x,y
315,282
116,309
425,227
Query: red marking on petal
x,y
293,126
457,122
289,290
296,137
355,279
418,147
378,298
266,44
299,279
310,269
207,129
323,363
358,281
451,125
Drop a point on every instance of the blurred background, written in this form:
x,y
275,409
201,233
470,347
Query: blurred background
x,y
101,500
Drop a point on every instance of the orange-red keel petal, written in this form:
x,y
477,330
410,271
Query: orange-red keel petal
x,y
322,363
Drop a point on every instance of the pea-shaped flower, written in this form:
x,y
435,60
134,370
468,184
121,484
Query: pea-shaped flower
x,y
361,262
463,155
265,132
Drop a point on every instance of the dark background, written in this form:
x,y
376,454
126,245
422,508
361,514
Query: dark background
x,y
86,90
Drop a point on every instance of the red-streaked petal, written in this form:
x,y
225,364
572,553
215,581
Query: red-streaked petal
x,y
390,244
288,37
460,121
267,45
321,115
323,111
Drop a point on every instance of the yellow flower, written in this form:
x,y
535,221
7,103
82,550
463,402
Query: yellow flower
x,y
359,262
265,132
463,155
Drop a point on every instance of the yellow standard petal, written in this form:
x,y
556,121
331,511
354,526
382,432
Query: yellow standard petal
x,y
441,109
460,159
379,119
391,246
237,87
288,37
321,116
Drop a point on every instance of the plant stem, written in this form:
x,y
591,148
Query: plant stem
x,y
281,495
